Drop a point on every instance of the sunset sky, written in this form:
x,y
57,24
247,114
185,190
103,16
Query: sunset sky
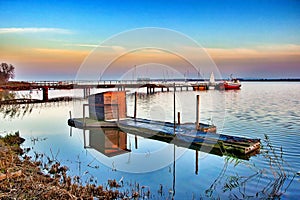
x,y
49,40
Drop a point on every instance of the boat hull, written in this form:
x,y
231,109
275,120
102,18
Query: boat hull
x,y
228,86
232,86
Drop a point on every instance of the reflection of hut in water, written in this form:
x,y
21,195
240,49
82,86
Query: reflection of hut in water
x,y
107,105
110,142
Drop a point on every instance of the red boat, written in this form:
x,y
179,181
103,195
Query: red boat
x,y
234,84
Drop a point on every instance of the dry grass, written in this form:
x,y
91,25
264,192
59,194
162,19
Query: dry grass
x,y
21,178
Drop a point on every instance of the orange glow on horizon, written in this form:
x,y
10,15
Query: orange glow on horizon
x,y
51,60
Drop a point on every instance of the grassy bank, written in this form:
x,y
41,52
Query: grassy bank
x,y
21,178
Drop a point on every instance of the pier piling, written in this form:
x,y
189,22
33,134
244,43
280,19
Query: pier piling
x,y
174,99
45,93
135,104
197,111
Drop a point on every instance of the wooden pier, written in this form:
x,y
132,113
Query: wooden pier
x,y
185,134
151,86
108,110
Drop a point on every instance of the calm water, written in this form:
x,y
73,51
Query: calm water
x,y
258,109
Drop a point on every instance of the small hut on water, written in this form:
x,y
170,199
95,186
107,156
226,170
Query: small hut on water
x,y
107,105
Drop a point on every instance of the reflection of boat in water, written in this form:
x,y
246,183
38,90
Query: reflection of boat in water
x,y
233,84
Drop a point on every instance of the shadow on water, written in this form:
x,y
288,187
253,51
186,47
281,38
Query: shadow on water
x,y
276,177
100,139
9,109
13,105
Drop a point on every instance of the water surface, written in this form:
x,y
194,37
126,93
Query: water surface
x,y
258,109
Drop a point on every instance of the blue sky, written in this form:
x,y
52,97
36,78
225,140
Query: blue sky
x,y
264,26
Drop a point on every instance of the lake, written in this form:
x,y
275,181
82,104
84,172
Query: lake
x,y
266,110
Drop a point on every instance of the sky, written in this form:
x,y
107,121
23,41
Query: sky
x,y
53,40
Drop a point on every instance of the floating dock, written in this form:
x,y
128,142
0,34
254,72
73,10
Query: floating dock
x,y
185,134
109,110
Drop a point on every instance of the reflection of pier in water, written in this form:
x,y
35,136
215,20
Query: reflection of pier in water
x,y
186,135
38,101
113,142
16,109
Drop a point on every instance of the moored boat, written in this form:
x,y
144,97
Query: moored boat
x,y
233,84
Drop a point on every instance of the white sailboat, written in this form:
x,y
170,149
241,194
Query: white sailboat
x,y
212,82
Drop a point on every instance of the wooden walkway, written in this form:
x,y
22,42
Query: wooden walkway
x,y
151,86
185,134
24,85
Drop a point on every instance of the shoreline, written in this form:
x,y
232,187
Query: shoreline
x,y
23,178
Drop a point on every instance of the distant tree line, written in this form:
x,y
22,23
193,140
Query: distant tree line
x,y
7,71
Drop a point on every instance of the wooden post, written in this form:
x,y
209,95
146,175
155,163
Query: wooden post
x,y
45,93
83,113
135,104
174,109
86,92
198,111
178,118
136,141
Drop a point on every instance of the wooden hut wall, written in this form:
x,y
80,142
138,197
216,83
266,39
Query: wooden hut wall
x,y
110,110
